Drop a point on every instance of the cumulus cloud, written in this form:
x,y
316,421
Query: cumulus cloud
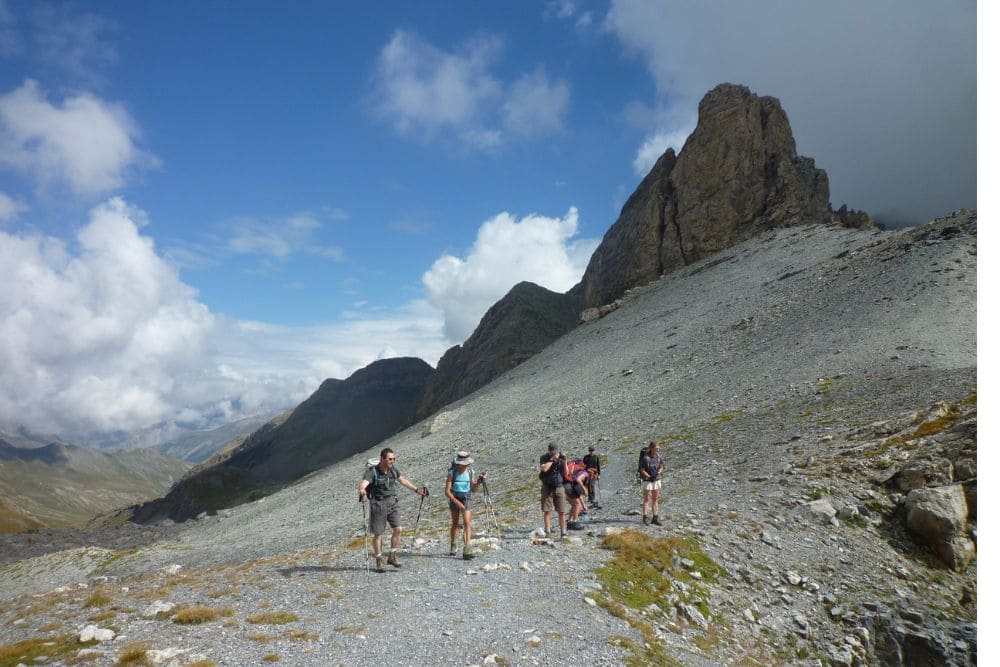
x,y
882,95
506,251
78,43
102,335
427,92
84,142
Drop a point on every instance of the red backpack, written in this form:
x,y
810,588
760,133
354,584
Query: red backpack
x,y
576,471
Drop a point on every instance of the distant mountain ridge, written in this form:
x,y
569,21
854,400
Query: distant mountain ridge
x,y
64,485
341,418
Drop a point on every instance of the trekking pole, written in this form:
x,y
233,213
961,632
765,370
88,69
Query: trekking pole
x,y
419,510
364,526
490,510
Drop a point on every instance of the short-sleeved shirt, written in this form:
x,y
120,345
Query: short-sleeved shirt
x,y
592,461
382,485
554,477
651,464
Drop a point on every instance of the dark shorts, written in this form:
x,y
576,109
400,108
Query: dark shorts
x,y
381,512
466,499
554,499
572,491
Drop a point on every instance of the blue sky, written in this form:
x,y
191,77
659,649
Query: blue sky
x,y
207,208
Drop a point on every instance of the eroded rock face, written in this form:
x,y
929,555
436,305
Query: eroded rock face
x,y
738,174
515,328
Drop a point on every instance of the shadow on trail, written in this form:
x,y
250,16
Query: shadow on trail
x,y
287,572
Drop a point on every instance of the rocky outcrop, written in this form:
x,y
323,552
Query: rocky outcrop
x,y
938,515
341,418
737,175
515,328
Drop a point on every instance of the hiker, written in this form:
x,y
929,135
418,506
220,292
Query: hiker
x,y
551,470
650,468
575,487
383,479
462,482
593,463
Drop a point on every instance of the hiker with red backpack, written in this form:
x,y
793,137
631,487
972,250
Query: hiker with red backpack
x,y
379,484
575,485
461,483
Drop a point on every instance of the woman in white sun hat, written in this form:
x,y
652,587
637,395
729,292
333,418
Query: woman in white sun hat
x,y
462,482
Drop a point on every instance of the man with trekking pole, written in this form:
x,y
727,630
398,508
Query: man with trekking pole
x,y
380,484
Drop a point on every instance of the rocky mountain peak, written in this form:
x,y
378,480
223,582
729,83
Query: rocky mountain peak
x,y
737,175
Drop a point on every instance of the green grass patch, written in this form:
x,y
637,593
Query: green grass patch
x,y
97,598
272,618
135,654
196,614
56,648
643,573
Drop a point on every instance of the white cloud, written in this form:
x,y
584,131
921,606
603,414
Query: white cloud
x,y
9,208
430,93
103,335
871,88
77,43
655,146
506,251
85,142
281,238
425,90
535,106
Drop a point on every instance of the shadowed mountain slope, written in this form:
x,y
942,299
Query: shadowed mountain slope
x,y
515,328
341,418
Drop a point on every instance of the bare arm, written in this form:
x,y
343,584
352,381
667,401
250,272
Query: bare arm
x,y
411,486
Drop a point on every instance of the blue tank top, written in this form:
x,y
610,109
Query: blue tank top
x,y
461,482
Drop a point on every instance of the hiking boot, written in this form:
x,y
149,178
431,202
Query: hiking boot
x,y
380,563
574,526
467,552
562,533
394,559
656,520
454,549
645,520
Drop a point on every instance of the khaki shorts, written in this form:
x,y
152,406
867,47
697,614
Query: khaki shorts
x,y
554,499
652,486
382,511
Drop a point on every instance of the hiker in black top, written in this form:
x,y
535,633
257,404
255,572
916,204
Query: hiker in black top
x,y
383,479
650,468
593,463
551,470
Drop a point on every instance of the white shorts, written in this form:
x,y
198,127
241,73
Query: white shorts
x,y
652,486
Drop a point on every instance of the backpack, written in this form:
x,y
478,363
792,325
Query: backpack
x,y
453,470
573,470
372,465
638,468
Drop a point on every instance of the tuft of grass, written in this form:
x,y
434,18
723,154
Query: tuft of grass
x,y
135,654
302,636
102,616
271,657
273,618
201,663
98,598
195,614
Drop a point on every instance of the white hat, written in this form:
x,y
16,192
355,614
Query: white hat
x,y
463,459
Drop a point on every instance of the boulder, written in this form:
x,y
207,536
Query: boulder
x,y
938,516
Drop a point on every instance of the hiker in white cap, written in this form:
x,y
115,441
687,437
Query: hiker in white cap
x,y
462,482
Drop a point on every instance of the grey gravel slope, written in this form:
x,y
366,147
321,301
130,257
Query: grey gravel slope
x,y
747,365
